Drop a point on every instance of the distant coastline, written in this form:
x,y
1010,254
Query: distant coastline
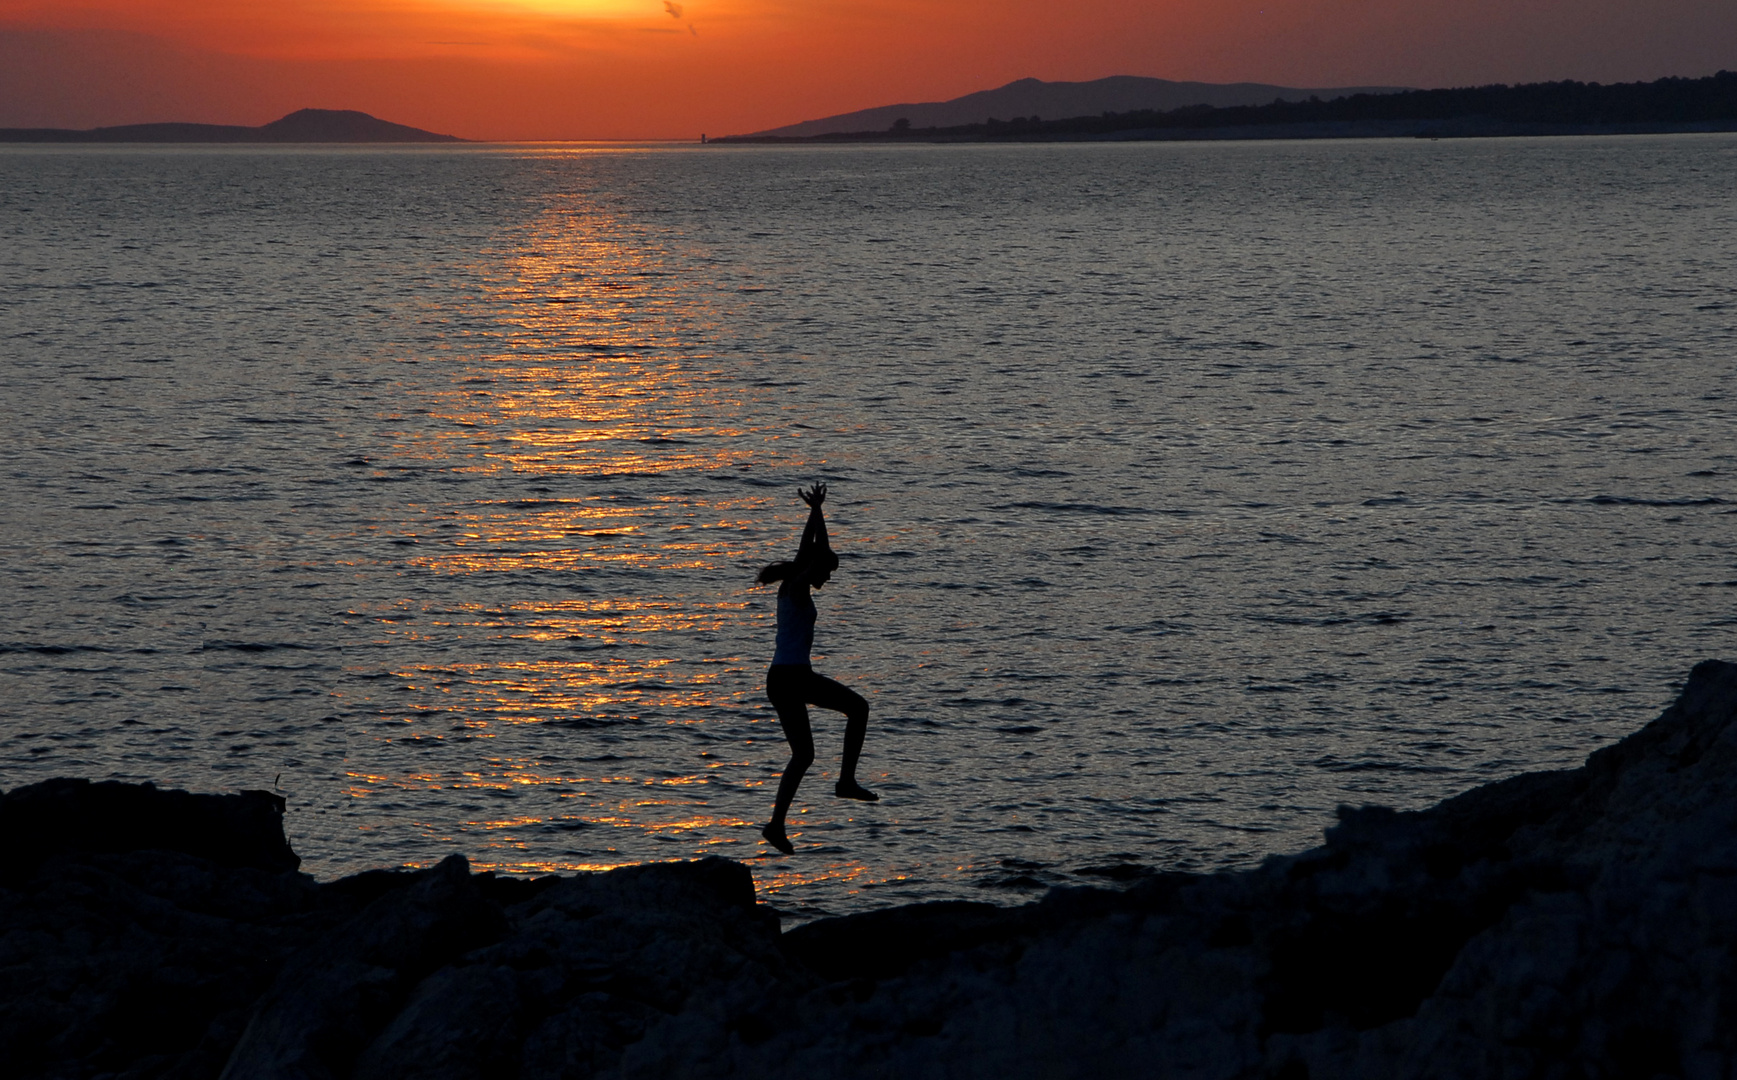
x,y
1032,98
301,126
1666,106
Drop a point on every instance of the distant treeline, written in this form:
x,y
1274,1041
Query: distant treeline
x,y
1553,106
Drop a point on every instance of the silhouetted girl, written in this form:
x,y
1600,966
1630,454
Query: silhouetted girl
x,y
792,685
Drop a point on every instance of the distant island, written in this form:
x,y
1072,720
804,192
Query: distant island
x,y
301,126
1036,98
1557,108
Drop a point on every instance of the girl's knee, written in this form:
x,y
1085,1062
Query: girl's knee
x,y
800,760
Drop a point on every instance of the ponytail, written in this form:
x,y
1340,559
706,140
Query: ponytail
x,y
777,571
782,571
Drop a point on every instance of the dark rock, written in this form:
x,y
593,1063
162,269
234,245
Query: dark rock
x,y
58,816
461,1022
1575,924
330,1001
586,1037
881,944
650,934
605,958
108,958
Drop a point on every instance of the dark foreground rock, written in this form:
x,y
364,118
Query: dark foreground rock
x,y
1557,925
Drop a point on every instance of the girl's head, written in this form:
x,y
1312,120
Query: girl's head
x,y
825,562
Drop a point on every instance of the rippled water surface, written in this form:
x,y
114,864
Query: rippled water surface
x,y
1183,491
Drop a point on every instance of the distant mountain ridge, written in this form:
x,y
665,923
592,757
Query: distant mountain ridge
x,y
1055,100
301,126
1671,105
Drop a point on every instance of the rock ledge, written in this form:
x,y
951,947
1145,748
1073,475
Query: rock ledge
x,y
1579,923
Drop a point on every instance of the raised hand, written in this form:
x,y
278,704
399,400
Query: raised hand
x,y
814,496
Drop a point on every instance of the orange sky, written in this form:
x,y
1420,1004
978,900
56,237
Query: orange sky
x,y
612,69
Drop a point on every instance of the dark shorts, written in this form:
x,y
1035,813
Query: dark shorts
x,y
793,687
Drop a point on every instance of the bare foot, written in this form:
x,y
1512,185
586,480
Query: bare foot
x,y
774,835
850,789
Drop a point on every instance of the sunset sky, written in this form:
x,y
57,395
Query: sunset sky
x,y
614,69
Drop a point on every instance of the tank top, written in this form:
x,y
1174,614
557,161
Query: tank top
x,y
796,616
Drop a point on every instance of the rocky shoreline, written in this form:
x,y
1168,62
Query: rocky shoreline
x,y
1580,923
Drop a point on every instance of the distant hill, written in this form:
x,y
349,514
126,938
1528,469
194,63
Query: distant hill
x,y
1036,98
301,126
1669,105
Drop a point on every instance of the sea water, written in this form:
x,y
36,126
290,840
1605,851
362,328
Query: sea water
x,y
1183,492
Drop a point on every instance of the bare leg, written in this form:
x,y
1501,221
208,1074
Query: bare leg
x,y
832,695
855,728
793,717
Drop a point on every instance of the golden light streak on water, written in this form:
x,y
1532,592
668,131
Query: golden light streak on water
x,y
358,790
590,387
534,867
773,879
518,692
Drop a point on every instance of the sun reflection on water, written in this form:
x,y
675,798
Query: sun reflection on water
x,y
849,876
553,702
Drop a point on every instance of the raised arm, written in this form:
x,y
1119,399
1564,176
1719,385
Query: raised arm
x,y
814,537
